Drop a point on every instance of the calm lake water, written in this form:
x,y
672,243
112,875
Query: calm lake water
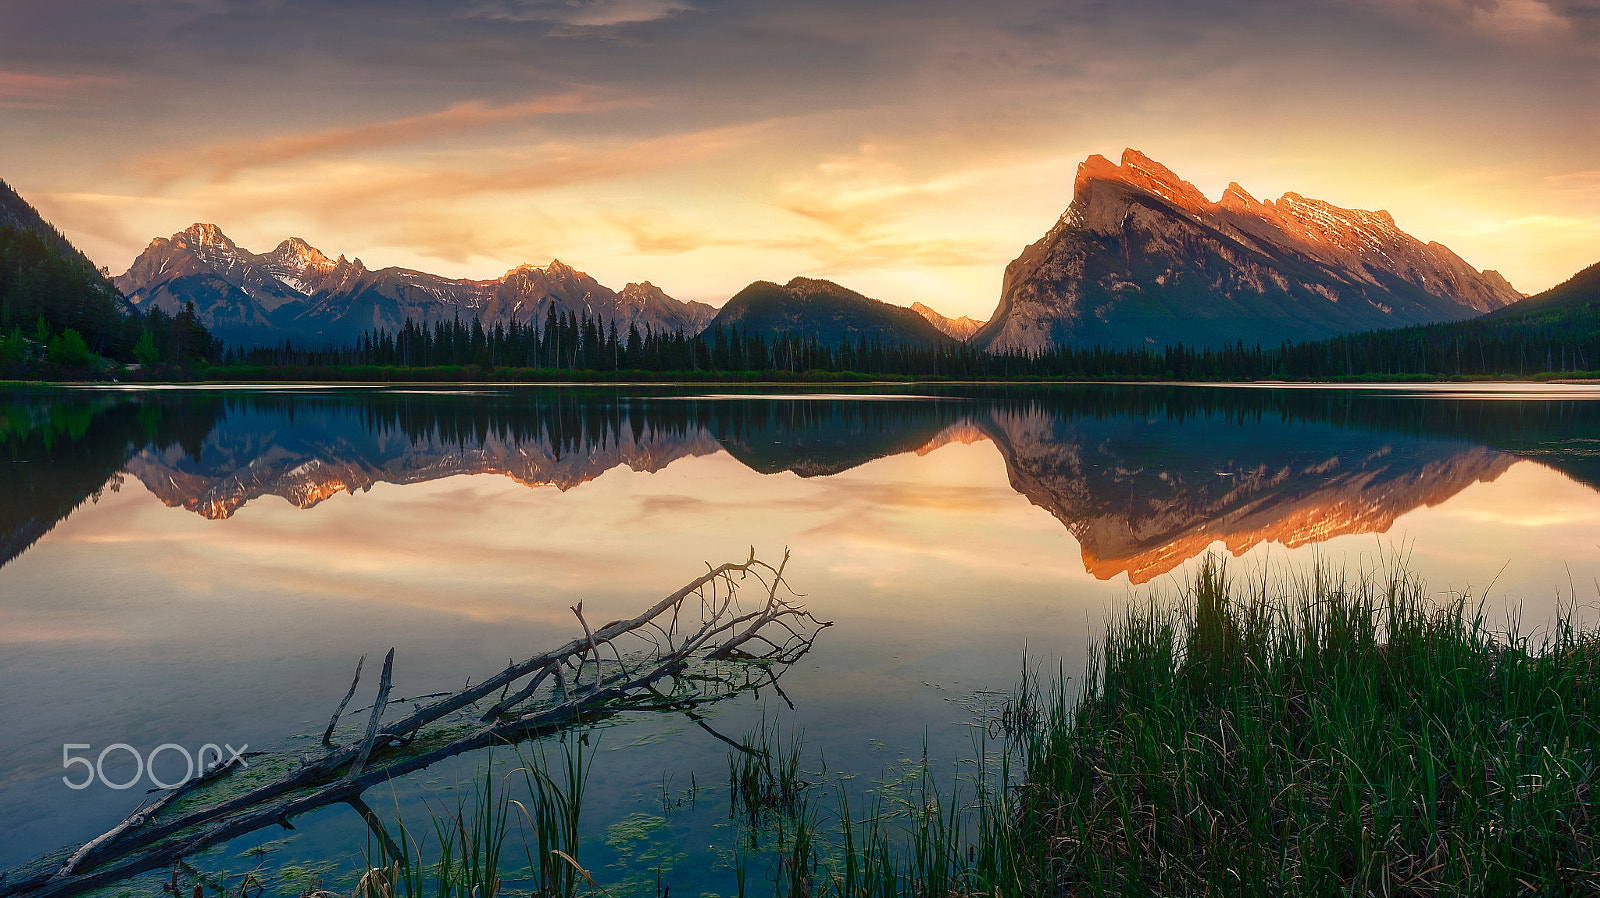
x,y
195,566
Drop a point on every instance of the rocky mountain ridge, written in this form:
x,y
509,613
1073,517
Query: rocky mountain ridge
x,y
956,328
297,291
1143,257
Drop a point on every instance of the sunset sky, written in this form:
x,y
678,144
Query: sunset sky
x,y
908,150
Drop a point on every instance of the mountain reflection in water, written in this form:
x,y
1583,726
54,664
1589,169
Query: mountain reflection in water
x,y
1143,477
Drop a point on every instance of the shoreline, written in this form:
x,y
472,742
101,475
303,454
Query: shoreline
x,y
844,379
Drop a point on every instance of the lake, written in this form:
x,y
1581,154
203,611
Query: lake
x,y
195,566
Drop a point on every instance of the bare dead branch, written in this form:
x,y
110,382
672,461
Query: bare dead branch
x,y
664,659
327,736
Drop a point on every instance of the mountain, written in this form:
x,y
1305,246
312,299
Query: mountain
x,y
1579,293
18,214
806,307
44,277
958,328
1143,257
1554,332
297,292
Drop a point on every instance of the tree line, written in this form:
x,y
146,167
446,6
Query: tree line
x,y
574,342
60,317
569,342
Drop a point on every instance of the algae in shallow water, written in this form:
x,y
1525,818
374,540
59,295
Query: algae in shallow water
x,y
622,835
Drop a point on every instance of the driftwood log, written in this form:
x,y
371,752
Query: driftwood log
x,y
699,644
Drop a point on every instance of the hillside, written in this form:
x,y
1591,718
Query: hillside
x,y
824,311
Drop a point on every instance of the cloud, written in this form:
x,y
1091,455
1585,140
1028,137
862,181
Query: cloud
x,y
830,253
472,205
97,222
550,165
1518,18
1514,22
225,160
655,236
875,211
582,13
30,90
1540,250
1581,184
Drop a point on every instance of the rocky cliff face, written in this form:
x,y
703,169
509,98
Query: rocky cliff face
x,y
1142,257
957,328
298,292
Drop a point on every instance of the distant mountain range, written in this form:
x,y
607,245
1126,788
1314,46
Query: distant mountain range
x,y
1142,257
1139,258
297,292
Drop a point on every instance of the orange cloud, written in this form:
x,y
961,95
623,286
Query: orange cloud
x,y
27,90
551,165
1585,184
224,161
651,237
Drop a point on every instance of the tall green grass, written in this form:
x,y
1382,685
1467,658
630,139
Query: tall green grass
x,y
469,841
907,835
1338,737
1322,736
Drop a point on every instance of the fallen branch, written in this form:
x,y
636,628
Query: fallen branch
x,y
686,650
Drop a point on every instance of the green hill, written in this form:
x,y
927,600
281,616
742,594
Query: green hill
x,y
1554,332
1577,298
60,317
824,311
43,276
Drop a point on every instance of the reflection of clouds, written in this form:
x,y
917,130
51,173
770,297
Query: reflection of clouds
x,y
944,519
651,506
15,631
1530,495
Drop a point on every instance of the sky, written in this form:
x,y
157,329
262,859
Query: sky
x,y
908,149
